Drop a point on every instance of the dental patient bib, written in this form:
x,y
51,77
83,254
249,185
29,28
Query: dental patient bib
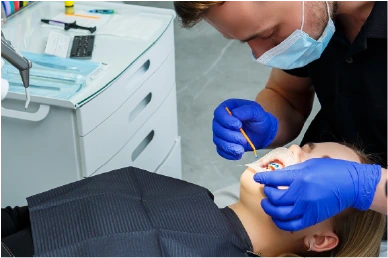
x,y
132,212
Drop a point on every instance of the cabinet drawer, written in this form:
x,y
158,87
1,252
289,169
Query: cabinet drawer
x,y
101,144
150,145
172,165
109,100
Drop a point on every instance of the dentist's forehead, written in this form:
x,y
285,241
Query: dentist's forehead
x,y
240,19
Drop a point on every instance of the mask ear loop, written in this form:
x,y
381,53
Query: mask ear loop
x,y
328,9
301,28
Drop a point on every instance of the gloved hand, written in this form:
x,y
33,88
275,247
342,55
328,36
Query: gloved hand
x,y
318,189
260,126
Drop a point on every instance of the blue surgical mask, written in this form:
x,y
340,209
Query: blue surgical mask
x,y
299,49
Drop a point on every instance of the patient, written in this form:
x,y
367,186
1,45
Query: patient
x,y
352,233
188,223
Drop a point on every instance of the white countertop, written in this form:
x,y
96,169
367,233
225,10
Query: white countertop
x,y
26,33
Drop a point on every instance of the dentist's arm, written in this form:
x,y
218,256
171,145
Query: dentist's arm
x,y
290,99
379,203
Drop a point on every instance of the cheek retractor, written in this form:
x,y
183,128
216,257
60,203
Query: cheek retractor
x,y
276,159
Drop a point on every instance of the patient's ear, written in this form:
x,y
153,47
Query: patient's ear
x,y
325,241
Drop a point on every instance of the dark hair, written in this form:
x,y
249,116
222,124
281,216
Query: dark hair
x,y
192,12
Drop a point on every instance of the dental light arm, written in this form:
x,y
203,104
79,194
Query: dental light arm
x,y
19,62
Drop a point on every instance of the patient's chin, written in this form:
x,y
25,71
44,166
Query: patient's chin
x,y
248,184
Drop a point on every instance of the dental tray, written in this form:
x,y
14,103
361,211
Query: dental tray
x,y
51,76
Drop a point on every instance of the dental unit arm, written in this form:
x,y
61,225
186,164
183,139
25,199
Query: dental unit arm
x,y
19,62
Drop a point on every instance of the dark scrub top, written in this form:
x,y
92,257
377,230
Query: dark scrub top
x,y
350,80
132,212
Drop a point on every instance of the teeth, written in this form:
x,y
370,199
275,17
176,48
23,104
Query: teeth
x,y
279,155
276,159
274,166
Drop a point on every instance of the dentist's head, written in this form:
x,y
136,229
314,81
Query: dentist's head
x,y
283,35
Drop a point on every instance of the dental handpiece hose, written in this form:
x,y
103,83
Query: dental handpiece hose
x,y
19,62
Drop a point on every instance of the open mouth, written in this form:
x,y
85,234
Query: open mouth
x,y
271,166
276,159
276,164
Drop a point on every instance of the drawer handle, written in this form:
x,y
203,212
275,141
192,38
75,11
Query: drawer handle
x,y
140,107
139,72
34,117
144,143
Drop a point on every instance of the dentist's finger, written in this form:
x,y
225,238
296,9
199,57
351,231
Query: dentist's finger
x,y
274,178
228,135
278,196
277,212
225,120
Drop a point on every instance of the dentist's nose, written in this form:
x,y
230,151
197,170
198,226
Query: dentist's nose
x,y
260,46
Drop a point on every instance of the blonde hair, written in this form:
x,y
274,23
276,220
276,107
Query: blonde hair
x,y
359,232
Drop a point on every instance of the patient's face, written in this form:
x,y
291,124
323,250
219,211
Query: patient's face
x,y
319,150
283,157
251,192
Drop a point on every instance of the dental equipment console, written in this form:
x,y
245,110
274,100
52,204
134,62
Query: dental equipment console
x,y
19,62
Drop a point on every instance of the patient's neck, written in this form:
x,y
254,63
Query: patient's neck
x,y
266,238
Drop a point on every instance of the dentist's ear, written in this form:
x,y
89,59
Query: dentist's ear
x,y
325,241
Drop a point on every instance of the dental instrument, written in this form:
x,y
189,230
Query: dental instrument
x,y
244,134
84,16
19,62
67,26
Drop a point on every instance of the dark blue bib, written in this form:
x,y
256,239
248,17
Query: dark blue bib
x,y
132,212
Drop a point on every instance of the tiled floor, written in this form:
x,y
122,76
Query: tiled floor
x,y
209,70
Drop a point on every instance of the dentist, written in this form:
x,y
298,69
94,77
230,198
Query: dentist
x,y
337,50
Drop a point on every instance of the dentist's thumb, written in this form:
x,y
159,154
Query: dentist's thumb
x,y
275,178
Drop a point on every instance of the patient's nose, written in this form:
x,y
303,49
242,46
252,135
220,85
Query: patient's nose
x,y
298,153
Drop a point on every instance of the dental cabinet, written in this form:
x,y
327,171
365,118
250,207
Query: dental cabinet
x,y
127,116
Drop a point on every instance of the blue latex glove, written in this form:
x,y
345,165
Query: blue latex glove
x,y
260,126
318,189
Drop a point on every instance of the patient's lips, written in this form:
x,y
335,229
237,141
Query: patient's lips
x,y
276,159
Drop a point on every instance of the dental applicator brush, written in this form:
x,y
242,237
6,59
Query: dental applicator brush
x,y
245,135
